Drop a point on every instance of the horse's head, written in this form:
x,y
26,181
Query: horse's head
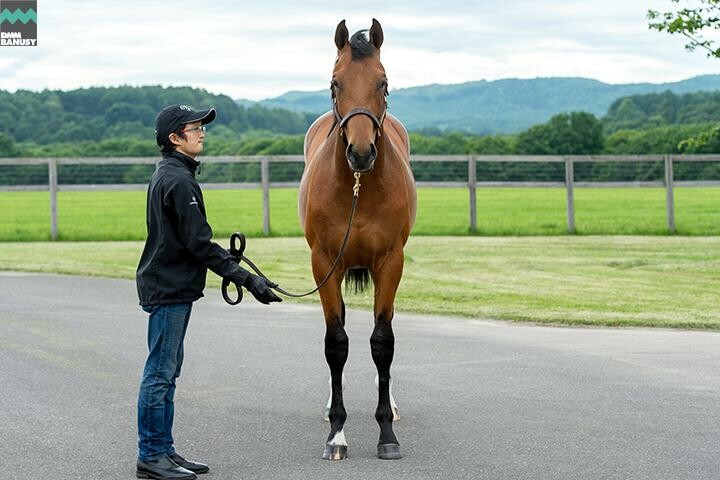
x,y
359,88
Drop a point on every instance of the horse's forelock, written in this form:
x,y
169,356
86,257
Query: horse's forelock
x,y
360,46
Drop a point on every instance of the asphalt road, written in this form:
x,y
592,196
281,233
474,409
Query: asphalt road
x,y
478,399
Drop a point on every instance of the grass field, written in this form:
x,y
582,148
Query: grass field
x,y
581,280
501,211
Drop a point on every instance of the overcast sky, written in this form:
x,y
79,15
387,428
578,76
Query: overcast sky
x,y
262,49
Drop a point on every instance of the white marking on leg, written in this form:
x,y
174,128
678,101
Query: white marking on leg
x,y
329,402
393,405
338,439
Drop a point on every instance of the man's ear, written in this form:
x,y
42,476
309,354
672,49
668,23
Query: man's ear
x,y
174,139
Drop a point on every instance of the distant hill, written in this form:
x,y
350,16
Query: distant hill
x,y
97,113
500,106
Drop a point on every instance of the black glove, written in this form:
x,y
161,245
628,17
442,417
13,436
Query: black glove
x,y
260,289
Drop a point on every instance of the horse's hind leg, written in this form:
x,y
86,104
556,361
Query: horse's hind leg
x,y
382,346
336,352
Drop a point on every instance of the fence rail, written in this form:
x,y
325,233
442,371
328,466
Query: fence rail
x,y
470,182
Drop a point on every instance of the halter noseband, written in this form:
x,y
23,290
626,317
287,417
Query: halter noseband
x,y
341,121
356,111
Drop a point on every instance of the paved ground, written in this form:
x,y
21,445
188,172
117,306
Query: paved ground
x,y
478,399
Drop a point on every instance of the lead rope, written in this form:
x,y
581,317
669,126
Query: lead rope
x,y
356,194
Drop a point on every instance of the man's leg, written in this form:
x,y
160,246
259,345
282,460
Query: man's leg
x,y
166,331
170,397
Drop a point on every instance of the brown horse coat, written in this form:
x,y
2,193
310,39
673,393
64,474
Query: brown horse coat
x,y
358,136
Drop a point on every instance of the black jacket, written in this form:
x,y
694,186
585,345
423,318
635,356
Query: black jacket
x,y
179,250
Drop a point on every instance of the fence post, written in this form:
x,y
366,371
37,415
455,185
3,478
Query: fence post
x,y
472,186
569,185
53,187
669,195
265,181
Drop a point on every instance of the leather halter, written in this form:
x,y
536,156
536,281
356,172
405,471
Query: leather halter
x,y
341,121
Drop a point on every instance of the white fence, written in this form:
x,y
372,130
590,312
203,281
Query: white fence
x,y
470,180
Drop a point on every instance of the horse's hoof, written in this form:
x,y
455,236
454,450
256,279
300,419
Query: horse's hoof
x,y
335,452
389,451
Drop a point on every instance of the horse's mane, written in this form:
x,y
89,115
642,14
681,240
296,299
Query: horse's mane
x,y
360,46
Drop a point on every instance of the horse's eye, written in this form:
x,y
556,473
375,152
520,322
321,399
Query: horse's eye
x,y
334,84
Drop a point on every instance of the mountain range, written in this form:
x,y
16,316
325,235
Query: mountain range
x,y
495,107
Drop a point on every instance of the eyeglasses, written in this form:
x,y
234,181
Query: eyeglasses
x,y
201,128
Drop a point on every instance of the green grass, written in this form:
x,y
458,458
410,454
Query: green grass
x,y
501,211
581,280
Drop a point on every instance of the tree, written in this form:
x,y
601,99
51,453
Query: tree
x,y
7,146
574,133
705,142
694,23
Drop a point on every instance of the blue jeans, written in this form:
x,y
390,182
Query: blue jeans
x,y
166,331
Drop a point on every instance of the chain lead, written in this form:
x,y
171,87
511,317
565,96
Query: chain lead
x,y
356,188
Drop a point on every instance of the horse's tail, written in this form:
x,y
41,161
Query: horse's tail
x,y
358,279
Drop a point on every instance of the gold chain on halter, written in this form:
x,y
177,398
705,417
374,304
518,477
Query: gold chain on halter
x,y
356,188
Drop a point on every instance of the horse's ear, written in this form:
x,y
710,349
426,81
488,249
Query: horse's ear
x,y
376,34
341,35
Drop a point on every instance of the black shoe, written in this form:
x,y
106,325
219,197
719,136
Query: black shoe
x,y
163,469
194,467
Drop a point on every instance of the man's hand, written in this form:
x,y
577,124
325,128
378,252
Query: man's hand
x,y
260,289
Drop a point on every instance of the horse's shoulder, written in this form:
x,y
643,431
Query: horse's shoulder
x,y
397,133
318,131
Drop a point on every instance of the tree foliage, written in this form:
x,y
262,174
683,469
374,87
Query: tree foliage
x,y
657,109
118,122
578,133
7,146
100,113
694,22
707,141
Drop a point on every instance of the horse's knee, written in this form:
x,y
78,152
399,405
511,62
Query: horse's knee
x,y
336,340
382,346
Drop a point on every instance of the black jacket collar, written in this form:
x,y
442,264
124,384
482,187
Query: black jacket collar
x,y
191,164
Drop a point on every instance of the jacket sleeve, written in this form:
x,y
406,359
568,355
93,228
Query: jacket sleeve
x,y
185,200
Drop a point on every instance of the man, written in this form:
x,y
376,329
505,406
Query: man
x,y
170,277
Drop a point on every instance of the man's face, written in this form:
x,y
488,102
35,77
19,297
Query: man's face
x,y
192,144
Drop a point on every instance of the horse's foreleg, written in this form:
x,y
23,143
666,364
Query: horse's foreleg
x,y
329,402
393,404
336,353
382,345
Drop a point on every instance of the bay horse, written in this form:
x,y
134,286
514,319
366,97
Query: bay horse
x,y
358,136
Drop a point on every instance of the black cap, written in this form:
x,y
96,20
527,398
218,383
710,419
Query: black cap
x,y
170,118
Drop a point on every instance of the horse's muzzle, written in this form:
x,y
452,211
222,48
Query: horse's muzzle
x,y
361,162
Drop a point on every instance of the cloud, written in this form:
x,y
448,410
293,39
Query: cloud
x,y
262,49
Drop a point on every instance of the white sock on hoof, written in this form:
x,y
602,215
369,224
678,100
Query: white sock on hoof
x,y
338,439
